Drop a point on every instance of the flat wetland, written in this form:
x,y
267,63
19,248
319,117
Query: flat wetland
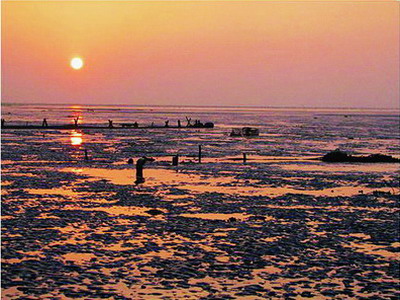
x,y
280,226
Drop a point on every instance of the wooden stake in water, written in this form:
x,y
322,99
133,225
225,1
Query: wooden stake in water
x,y
199,154
86,155
175,160
244,157
139,168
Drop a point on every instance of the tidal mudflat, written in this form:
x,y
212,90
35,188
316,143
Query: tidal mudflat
x,y
279,226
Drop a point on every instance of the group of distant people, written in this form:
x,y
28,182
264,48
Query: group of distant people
x,y
44,122
197,123
134,125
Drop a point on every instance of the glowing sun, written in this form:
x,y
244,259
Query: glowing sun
x,y
76,63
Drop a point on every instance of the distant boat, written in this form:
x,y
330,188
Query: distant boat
x,y
245,131
201,125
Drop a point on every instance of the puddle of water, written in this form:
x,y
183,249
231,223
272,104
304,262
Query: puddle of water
x,y
55,191
120,210
16,260
149,293
280,191
272,239
154,177
12,293
19,174
373,249
201,184
334,192
268,270
78,257
223,217
343,167
223,259
332,208
267,159
360,235
47,216
120,177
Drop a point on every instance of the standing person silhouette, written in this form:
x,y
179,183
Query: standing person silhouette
x,y
188,120
44,123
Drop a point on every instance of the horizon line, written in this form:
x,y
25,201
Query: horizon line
x,y
272,1
199,106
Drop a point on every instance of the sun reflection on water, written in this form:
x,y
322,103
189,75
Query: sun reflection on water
x,y
76,138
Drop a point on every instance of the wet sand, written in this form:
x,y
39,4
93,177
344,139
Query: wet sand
x,y
275,227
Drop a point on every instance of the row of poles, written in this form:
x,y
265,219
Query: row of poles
x,y
142,161
175,158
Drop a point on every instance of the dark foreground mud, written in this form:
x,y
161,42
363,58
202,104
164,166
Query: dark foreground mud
x,y
218,230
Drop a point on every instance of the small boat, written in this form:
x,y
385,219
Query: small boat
x,y
135,125
245,131
201,125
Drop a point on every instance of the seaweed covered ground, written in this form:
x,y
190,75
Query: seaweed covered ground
x,y
279,226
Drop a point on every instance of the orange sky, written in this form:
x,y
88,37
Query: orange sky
x,y
309,53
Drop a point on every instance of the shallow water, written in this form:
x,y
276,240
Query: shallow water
x,y
278,226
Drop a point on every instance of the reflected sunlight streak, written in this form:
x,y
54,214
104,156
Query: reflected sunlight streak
x,y
76,138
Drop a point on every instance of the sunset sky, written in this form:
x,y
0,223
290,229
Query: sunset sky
x,y
287,53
